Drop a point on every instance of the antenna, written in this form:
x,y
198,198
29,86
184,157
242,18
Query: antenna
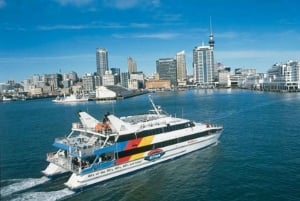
x,y
211,36
210,26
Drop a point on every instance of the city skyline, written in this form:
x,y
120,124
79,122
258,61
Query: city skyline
x,y
63,34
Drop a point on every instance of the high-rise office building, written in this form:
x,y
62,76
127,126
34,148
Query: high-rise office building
x,y
102,61
181,66
203,63
167,70
131,65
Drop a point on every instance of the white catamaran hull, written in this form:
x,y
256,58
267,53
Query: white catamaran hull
x,y
53,170
77,181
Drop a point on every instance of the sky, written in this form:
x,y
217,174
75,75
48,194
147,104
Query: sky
x,y
59,36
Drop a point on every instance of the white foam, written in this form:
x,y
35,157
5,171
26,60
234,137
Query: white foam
x,y
45,196
22,184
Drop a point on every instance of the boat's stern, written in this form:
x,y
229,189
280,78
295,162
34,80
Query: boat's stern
x,y
74,183
53,170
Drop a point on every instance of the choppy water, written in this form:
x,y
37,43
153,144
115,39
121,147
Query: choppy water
x,y
257,158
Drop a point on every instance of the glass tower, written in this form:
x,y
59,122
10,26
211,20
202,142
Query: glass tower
x,y
102,61
167,70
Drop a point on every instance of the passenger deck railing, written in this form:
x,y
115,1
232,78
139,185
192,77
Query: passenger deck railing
x,y
63,161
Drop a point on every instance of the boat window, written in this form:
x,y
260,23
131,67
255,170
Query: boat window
x,y
107,156
154,131
160,144
123,138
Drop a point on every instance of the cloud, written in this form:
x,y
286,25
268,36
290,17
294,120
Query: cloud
x,y
2,4
139,25
285,21
93,25
33,59
128,4
125,4
74,2
158,35
163,35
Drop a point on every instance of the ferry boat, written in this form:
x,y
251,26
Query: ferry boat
x,y
71,98
96,151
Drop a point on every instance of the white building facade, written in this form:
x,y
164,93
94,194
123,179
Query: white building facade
x,y
203,65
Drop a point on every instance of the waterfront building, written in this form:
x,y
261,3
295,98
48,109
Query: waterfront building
x,y
102,61
52,80
66,83
103,93
108,78
203,65
224,79
124,79
88,83
181,66
71,76
167,70
136,80
153,76
37,91
252,81
131,65
26,84
98,79
283,77
4,87
158,85
117,74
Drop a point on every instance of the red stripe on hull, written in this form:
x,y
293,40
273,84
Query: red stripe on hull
x,y
132,144
123,160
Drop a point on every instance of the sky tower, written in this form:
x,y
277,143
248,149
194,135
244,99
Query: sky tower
x,y
211,41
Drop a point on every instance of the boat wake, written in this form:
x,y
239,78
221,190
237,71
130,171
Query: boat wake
x,y
45,196
21,184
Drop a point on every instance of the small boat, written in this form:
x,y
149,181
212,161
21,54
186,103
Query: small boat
x,y
71,98
96,151
4,98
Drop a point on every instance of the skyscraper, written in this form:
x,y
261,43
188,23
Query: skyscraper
x,y
203,65
102,61
181,66
203,62
167,70
131,65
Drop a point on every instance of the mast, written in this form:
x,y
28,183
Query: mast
x,y
153,105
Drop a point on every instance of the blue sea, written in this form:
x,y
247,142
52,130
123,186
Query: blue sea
x,y
257,157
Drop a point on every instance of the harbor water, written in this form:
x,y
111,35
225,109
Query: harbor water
x,y
257,157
